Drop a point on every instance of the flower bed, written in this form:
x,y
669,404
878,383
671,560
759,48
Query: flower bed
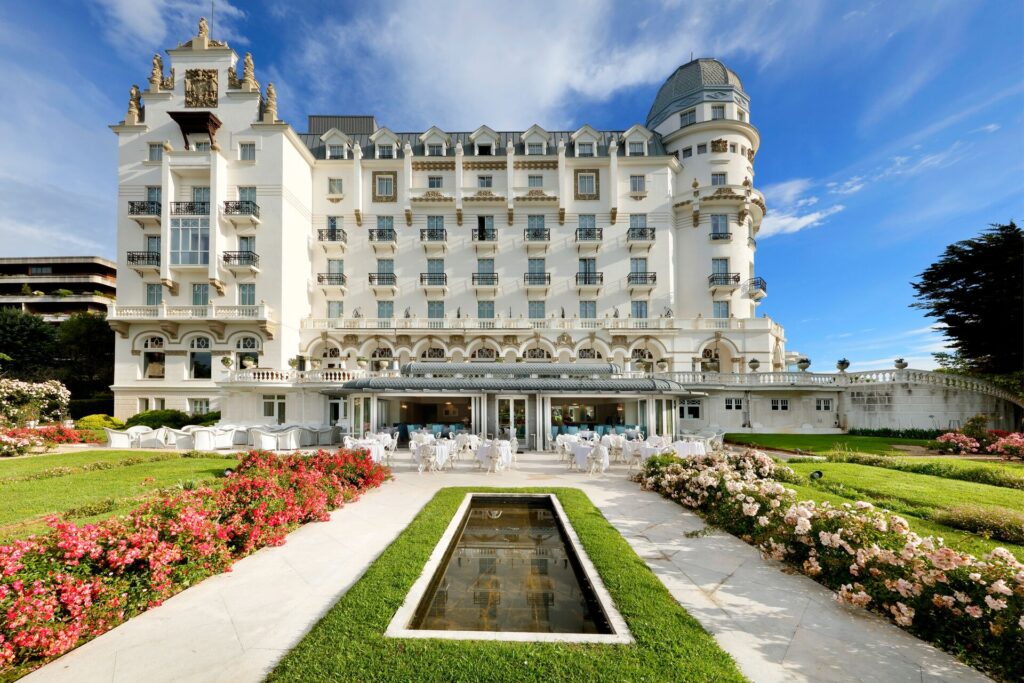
x,y
47,401
972,607
22,440
76,582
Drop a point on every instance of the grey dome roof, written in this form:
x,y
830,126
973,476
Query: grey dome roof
x,y
688,79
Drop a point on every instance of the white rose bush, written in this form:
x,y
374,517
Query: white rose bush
x,y
971,607
43,401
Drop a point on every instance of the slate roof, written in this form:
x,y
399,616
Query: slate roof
x,y
688,79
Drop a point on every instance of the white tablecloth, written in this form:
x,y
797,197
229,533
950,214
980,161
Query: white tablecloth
x,y
580,453
375,449
483,453
684,448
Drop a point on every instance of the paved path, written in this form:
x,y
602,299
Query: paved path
x,y
234,627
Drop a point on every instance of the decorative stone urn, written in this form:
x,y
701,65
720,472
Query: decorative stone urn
x,y
663,364
842,364
248,363
363,363
901,364
754,364
803,364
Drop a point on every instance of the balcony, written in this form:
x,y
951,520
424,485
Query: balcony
x,y
537,239
215,317
242,212
383,240
537,283
589,239
242,261
625,325
485,283
190,208
641,282
723,282
721,236
434,283
384,284
589,282
641,238
336,283
756,288
146,214
333,240
143,261
434,240
485,240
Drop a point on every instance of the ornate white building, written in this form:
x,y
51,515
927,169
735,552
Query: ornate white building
x,y
527,278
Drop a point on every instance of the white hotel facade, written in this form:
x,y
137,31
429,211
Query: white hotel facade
x,y
494,279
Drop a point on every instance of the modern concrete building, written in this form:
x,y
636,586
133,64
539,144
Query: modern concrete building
x,y
529,278
55,287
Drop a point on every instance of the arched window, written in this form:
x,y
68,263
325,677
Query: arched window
x,y
484,353
331,352
433,353
641,354
247,343
200,361
589,354
538,354
153,359
248,351
382,352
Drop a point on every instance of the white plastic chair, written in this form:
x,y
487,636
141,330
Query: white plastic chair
x,y
263,440
179,439
597,459
116,439
494,463
224,439
290,439
204,439
154,439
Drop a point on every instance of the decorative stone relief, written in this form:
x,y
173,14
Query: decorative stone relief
x,y
614,214
509,339
719,145
201,88
350,339
696,218
535,165
168,82
564,339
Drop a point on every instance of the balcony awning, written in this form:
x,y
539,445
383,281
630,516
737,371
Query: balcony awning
x,y
577,385
192,122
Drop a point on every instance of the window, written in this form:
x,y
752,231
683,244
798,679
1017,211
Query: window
x,y
636,149
386,310
332,223
719,309
780,404
385,151
717,112
335,151
435,150
719,225
485,266
143,405
732,147
587,265
247,243
154,294
200,365
247,194
435,266
247,294
190,241
687,152
335,186
386,265
742,115
335,309
535,266
435,222
385,186
153,362
156,151
535,148
484,181
823,404
273,407
199,406
535,222
152,245
638,220
588,309
718,179
586,149
534,181
483,150
702,149
688,118
638,309
689,408
158,404
734,404
200,294
638,264
336,266
485,310
202,146
587,221
535,309
637,183
435,310
435,182
247,151
587,184
385,222
247,349
720,266
153,193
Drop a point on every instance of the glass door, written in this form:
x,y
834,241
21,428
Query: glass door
x,y
512,418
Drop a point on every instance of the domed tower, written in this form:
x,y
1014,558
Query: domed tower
x,y
703,117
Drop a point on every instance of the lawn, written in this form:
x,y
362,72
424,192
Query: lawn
x,y
819,443
86,496
349,643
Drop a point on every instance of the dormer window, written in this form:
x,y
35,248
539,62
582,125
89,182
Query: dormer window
x,y
435,150
484,150
585,149
637,149
535,149
385,151
688,118
335,151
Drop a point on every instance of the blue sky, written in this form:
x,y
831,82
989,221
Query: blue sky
x,y
888,129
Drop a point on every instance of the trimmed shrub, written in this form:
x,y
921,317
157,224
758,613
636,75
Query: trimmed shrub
x,y
898,433
159,418
999,523
980,474
99,422
206,419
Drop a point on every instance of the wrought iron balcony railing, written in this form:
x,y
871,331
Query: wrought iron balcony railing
x,y
336,279
434,279
485,279
755,284
723,279
332,235
589,234
642,278
144,208
724,236
433,235
640,234
537,234
589,278
536,278
383,235
241,258
144,258
190,208
383,279
485,235
242,208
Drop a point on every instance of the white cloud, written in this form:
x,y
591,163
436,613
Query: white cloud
x,y
790,201
143,26
849,186
987,128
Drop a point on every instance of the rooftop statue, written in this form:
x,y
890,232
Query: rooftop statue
x,y
204,28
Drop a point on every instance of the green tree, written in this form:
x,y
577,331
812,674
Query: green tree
x,y
29,341
85,350
975,290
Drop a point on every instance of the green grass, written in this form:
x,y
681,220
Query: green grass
x,y
979,471
19,467
348,643
820,443
90,495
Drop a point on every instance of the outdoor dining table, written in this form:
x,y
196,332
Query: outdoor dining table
x,y
683,448
641,448
483,453
581,452
374,448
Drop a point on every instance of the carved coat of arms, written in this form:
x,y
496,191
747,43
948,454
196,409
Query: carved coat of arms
x,y
201,88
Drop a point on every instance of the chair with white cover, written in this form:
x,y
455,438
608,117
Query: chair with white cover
x,y
325,435
389,450
348,442
634,455
203,439
224,439
494,463
597,460
179,439
263,439
425,454
153,439
290,439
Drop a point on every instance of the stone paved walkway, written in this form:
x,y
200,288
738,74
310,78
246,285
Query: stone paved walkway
x,y
236,626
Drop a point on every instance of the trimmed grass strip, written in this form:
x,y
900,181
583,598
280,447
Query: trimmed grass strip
x,y
820,443
349,643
